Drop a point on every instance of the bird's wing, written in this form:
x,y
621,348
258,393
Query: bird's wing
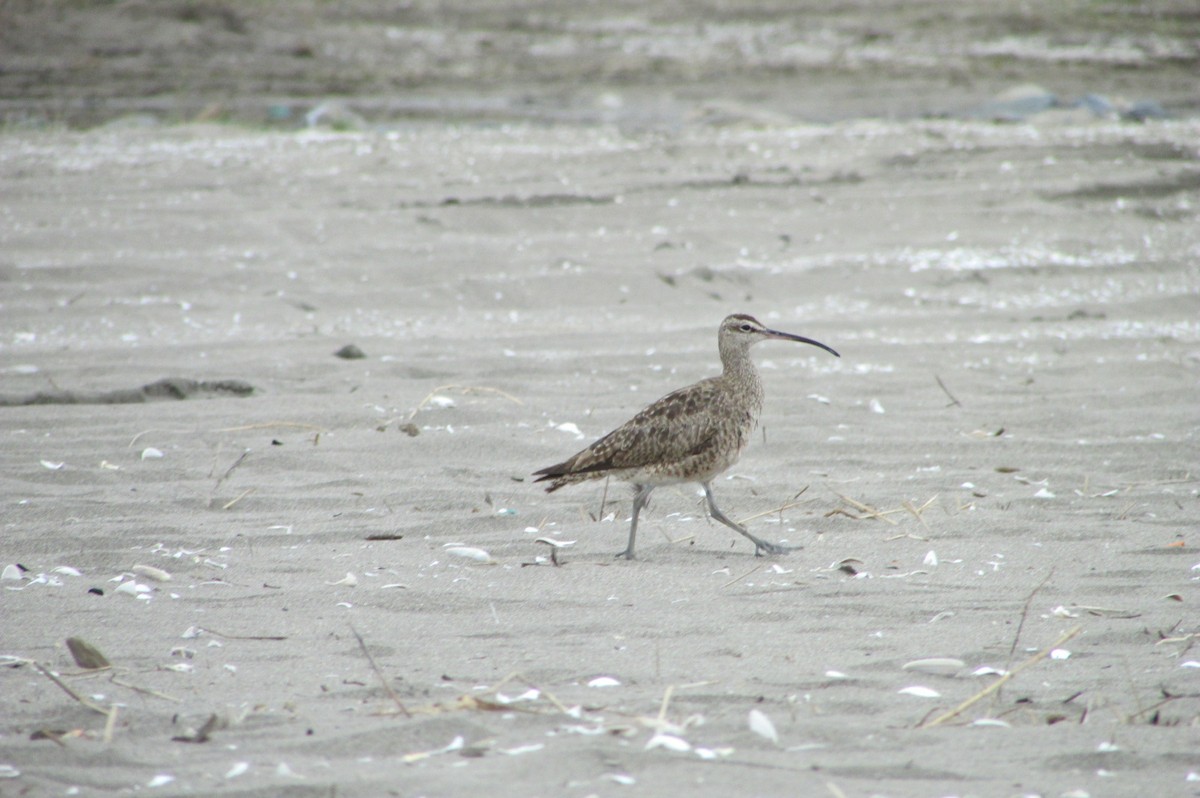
x,y
680,424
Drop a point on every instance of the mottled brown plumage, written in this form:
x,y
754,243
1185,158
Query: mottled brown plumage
x,y
689,435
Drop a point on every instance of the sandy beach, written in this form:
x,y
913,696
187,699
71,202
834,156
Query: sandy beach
x,y
320,575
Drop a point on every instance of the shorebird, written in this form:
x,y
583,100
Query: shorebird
x,y
690,435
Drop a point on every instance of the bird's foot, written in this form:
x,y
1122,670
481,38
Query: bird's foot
x,y
763,547
625,555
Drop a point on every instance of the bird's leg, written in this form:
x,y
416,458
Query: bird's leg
x,y
639,501
760,545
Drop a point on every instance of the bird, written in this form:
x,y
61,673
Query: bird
x,y
690,435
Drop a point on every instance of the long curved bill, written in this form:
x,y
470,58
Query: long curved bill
x,y
782,336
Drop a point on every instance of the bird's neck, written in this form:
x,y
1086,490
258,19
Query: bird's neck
x,y
738,367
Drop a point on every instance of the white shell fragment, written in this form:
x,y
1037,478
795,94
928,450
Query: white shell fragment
x,y
162,779
150,572
349,580
470,553
569,428
987,670
532,694
604,681
761,725
52,465
150,453
66,570
1060,653
670,742
238,769
920,692
996,722
522,749
9,772
11,571
931,558
132,588
938,666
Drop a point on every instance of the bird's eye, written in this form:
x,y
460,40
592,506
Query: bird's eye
x,y
747,328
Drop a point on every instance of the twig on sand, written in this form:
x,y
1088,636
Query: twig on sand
x,y
953,401
379,674
996,685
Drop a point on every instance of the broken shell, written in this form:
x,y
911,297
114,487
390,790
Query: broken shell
x,y
939,666
11,572
604,681
86,655
920,692
349,580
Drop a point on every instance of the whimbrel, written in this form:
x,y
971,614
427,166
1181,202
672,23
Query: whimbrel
x,y
689,435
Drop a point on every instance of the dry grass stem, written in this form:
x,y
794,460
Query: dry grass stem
x,y
463,389
144,690
66,688
735,580
785,506
237,498
996,685
110,723
379,674
916,511
212,631
870,511
274,424
1025,614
